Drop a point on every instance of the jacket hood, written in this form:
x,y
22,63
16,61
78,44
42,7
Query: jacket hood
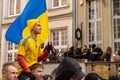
x,y
67,68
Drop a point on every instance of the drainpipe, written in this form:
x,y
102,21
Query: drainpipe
x,y
75,19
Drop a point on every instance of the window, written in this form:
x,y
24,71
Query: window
x,y
94,22
14,7
116,23
11,51
59,39
116,7
59,3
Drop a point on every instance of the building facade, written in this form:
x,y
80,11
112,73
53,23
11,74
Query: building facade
x,y
101,22
98,21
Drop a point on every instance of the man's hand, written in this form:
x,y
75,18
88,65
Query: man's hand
x,y
48,47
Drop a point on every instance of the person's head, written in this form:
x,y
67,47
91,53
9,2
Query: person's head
x,y
85,47
48,77
9,71
109,50
34,25
93,76
37,70
93,46
116,52
118,72
119,52
69,69
113,78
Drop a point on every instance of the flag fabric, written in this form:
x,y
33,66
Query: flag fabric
x,y
35,9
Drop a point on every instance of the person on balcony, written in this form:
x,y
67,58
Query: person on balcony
x,y
116,56
96,53
107,55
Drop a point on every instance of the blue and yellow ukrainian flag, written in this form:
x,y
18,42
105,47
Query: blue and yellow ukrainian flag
x,y
35,9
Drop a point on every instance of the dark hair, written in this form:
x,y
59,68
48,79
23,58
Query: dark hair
x,y
93,46
47,76
119,52
113,78
93,76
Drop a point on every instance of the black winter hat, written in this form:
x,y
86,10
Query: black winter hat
x,y
67,68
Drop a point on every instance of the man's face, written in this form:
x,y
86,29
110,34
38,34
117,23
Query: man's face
x,y
37,28
10,74
38,73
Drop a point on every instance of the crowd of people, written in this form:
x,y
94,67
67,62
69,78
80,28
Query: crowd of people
x,y
94,53
68,69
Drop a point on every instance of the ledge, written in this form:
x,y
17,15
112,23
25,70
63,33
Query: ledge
x,y
101,62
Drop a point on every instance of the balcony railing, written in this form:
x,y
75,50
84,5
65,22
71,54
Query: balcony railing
x,y
104,69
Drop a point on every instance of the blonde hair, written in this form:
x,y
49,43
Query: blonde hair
x,y
7,64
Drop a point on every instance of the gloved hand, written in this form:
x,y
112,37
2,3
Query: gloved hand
x,y
31,76
48,47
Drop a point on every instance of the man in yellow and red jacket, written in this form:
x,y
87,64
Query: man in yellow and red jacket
x,y
29,51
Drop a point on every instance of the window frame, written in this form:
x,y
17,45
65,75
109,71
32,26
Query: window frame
x,y
12,51
94,20
116,39
15,9
59,47
60,4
